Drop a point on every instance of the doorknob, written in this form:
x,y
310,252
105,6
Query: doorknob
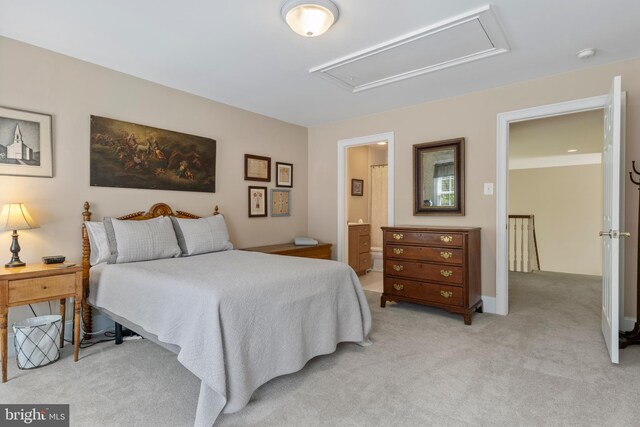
x,y
614,234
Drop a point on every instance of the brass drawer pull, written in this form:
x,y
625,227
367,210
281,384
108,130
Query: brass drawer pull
x,y
398,251
398,267
446,273
446,255
446,294
446,239
398,236
398,287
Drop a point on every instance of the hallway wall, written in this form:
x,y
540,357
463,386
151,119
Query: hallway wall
x,y
562,200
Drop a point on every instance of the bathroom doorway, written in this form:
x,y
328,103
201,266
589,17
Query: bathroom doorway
x,y
367,193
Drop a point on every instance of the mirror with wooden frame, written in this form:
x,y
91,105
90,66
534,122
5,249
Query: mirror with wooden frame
x,y
438,178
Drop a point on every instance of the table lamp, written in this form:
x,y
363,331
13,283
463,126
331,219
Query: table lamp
x,y
14,216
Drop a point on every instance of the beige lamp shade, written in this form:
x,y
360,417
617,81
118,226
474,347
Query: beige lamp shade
x,y
14,216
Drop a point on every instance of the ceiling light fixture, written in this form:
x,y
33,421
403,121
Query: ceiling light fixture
x,y
573,150
586,53
310,18
382,143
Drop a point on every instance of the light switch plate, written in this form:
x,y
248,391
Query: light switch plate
x,y
488,188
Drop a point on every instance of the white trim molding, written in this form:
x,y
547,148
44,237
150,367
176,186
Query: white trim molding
x,y
556,161
502,179
343,144
488,304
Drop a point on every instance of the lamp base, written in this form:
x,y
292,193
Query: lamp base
x,y
15,250
15,264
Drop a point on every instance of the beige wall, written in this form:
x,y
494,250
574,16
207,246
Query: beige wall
x,y
358,168
472,116
39,80
567,204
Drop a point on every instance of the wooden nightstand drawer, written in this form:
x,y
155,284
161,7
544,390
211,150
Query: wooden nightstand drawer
x,y
23,290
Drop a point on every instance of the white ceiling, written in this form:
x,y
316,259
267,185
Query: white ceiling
x,y
243,54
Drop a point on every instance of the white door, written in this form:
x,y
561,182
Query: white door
x,y
612,279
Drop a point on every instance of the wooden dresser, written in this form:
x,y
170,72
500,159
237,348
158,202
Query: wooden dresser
x,y
321,250
436,266
360,247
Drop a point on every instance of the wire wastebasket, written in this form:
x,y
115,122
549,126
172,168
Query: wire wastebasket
x,y
37,341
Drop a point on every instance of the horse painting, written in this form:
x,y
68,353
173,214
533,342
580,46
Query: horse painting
x,y
130,155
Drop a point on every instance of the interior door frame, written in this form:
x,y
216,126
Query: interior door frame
x,y
343,144
502,180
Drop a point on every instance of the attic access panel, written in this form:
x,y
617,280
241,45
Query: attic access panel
x,y
468,37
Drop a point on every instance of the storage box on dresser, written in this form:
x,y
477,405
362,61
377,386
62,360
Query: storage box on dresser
x,y
435,266
360,247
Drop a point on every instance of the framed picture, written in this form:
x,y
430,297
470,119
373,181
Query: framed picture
x,y
257,201
257,168
130,155
280,202
438,178
25,143
284,175
357,187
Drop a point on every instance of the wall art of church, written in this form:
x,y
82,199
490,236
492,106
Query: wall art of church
x,y
25,143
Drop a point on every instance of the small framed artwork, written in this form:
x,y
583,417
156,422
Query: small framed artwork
x,y
284,175
257,201
257,168
25,143
280,202
357,187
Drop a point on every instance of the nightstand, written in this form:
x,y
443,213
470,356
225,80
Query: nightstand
x,y
37,283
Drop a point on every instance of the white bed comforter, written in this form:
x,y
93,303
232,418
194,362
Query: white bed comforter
x,y
240,318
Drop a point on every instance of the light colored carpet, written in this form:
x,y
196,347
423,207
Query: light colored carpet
x,y
544,364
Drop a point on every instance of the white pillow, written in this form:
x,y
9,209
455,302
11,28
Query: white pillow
x,y
98,242
202,235
131,241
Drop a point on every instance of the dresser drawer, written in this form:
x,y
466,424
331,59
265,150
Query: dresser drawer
x,y
425,253
44,287
360,229
423,238
431,292
438,272
364,243
364,262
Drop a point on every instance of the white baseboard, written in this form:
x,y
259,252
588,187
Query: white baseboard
x,y
488,304
100,322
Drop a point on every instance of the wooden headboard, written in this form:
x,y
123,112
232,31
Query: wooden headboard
x,y
159,209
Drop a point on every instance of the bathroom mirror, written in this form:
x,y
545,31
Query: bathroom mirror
x,y
438,178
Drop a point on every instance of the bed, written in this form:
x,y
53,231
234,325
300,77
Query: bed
x,y
235,319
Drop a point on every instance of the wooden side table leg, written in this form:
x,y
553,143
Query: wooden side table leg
x,y
63,312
